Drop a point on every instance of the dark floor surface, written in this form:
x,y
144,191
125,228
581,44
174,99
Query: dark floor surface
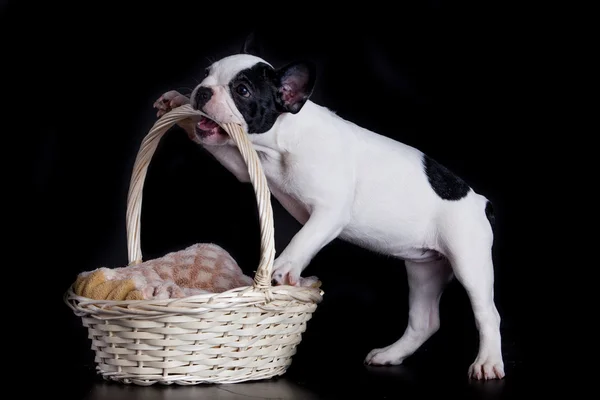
x,y
362,383
309,382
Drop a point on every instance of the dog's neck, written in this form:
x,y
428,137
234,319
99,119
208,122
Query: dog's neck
x,y
274,142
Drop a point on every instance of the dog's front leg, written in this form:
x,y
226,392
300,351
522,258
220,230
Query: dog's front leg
x,y
324,224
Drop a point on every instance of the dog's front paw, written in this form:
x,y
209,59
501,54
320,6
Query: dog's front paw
x,y
286,273
169,101
486,369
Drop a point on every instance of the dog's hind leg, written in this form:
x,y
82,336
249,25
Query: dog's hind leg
x,y
475,273
469,250
426,282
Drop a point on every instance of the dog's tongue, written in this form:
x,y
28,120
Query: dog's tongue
x,y
206,124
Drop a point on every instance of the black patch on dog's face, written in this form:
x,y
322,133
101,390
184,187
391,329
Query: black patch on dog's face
x,y
254,92
444,183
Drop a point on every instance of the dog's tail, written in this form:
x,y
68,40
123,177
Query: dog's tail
x,y
489,213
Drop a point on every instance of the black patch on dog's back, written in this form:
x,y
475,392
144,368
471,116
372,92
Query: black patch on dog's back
x,y
443,182
259,109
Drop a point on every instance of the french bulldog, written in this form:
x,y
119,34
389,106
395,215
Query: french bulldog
x,y
341,180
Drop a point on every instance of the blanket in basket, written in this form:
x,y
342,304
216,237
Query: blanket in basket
x,y
199,269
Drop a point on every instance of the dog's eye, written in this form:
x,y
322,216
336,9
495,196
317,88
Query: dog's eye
x,y
242,90
206,72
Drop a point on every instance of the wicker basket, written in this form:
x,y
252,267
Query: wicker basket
x,y
248,333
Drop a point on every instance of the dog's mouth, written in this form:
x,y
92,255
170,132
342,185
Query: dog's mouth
x,y
206,127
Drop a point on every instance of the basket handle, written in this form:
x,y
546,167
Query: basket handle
x,y
262,277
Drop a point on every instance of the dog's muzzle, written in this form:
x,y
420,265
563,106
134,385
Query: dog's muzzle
x,y
202,96
207,127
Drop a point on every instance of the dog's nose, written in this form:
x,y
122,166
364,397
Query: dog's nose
x,y
203,95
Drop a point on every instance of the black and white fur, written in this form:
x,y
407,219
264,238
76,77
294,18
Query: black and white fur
x,y
340,180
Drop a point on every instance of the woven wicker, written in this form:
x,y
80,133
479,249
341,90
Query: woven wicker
x,y
248,333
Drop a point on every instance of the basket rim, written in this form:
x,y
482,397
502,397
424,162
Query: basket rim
x,y
242,296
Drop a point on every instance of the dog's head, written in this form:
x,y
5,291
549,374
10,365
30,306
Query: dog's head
x,y
247,90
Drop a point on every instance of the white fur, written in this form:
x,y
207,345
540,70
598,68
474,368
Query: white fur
x,y
341,180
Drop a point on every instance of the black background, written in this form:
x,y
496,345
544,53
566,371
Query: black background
x,y
439,76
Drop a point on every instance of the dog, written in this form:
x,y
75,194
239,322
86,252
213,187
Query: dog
x,y
340,180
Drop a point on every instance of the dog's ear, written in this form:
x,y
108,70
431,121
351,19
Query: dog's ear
x,y
251,45
295,83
